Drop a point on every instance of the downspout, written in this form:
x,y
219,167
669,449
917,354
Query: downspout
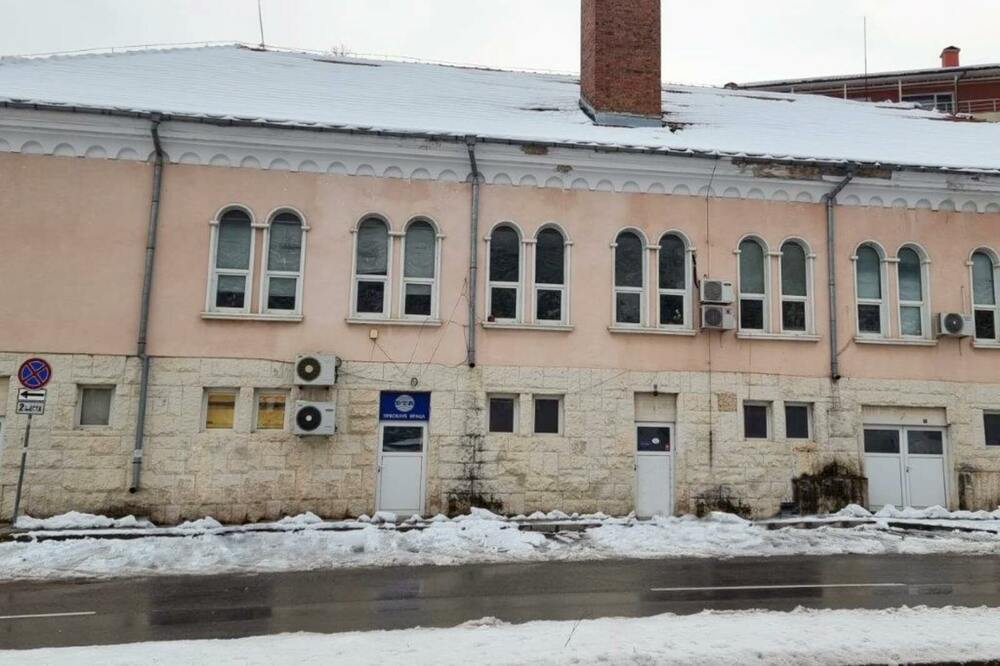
x,y
830,198
147,286
470,357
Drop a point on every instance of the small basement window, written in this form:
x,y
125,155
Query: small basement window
x,y
991,424
548,415
797,421
756,420
271,410
95,406
503,413
220,409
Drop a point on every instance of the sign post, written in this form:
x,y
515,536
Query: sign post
x,y
33,374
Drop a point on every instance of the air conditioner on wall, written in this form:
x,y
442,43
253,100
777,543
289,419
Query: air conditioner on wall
x,y
718,317
314,418
954,325
316,369
716,291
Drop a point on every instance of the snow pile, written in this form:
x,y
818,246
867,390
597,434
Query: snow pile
x,y
935,513
202,524
74,520
731,637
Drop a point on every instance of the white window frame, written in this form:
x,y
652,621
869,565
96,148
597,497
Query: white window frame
x,y
434,282
513,397
215,272
925,319
643,291
256,409
884,290
78,415
563,288
811,433
810,314
559,399
688,282
385,279
764,298
517,286
768,419
995,308
267,273
219,390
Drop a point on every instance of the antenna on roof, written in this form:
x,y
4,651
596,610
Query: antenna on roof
x,y
867,99
260,23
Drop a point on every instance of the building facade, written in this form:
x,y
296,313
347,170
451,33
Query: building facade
x,y
518,325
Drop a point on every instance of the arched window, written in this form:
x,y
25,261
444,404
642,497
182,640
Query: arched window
x,y
753,286
233,261
505,274
912,285
984,295
796,310
871,296
283,270
371,268
675,297
550,276
419,270
630,279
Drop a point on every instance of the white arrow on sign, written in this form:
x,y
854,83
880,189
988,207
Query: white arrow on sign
x,y
31,395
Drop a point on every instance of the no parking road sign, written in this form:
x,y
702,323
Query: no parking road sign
x,y
34,373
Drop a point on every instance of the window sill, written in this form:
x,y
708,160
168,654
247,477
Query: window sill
x,y
985,345
252,316
647,330
549,328
777,337
896,342
374,321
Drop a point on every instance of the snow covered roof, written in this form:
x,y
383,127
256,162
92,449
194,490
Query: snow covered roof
x,y
307,90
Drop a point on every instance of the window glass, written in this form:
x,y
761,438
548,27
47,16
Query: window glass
x,y
991,425
503,303
220,410
420,246
983,288
373,248
673,259
627,308
271,411
505,255
95,406
911,321
925,442
869,273
870,318
549,257
797,421
285,244
502,414
751,267
281,293
547,415
752,315
230,291
910,278
370,297
671,310
628,260
793,270
402,439
986,325
793,316
418,300
652,439
881,441
549,305
233,250
755,421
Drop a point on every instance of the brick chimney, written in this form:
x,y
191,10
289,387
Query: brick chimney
x,y
949,57
620,62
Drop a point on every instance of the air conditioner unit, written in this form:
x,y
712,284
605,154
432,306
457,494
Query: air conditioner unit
x,y
955,325
316,369
716,291
314,418
718,317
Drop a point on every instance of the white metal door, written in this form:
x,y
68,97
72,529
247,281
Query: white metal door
x,y
905,466
401,468
654,470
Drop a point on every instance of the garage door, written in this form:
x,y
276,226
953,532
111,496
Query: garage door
x,y
905,466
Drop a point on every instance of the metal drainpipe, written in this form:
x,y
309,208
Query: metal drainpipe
x,y
473,252
147,286
830,198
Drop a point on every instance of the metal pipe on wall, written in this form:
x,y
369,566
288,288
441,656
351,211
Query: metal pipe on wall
x,y
147,287
470,357
830,198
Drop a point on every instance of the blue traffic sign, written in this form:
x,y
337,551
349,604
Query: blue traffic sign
x,y
34,373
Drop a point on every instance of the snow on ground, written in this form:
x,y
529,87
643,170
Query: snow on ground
x,y
304,544
74,520
907,635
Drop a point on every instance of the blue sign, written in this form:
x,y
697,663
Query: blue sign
x,y
398,406
34,373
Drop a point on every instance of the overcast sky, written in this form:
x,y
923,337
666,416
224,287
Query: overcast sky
x,y
705,41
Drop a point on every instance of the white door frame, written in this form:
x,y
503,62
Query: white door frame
x,y
423,425
670,454
904,452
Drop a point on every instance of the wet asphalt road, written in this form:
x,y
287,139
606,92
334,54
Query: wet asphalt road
x,y
230,606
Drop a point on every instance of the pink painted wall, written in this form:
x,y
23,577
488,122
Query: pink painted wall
x,y
83,225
